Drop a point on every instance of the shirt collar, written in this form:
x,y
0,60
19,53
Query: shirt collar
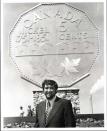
x,y
51,101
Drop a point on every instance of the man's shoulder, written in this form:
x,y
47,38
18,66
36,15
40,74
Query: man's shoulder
x,y
64,100
66,103
41,103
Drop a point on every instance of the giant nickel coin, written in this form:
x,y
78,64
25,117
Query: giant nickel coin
x,y
54,41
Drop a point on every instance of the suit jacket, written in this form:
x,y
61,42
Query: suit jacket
x,y
61,114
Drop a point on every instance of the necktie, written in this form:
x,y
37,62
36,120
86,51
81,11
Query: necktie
x,y
47,111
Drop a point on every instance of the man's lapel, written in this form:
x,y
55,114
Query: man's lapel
x,y
54,110
43,111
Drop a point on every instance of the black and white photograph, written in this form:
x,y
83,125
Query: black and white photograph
x,y
53,65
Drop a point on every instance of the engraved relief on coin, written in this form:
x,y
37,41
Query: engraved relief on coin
x,y
54,41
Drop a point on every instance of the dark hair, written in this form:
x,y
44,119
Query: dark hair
x,y
50,82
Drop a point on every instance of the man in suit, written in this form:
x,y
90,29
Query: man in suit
x,y
54,111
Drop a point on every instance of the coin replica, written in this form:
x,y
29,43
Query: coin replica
x,y
54,41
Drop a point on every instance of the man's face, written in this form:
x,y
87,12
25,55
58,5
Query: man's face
x,y
49,91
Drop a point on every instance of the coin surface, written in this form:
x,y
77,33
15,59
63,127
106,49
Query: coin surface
x,y
54,41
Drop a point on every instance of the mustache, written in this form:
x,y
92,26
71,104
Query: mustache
x,y
48,93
